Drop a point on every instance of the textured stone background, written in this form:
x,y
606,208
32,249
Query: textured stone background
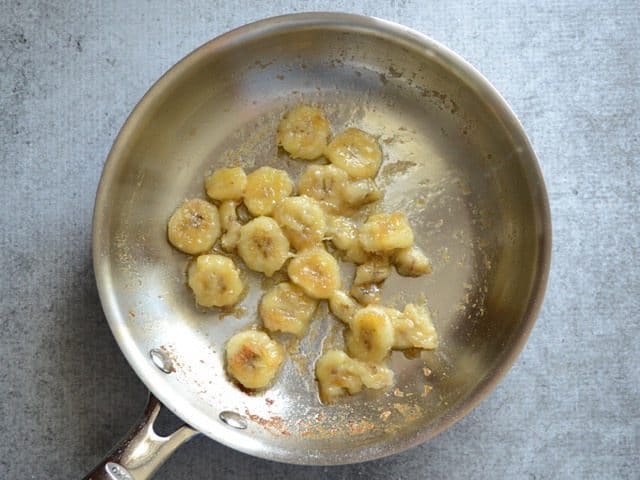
x,y
71,71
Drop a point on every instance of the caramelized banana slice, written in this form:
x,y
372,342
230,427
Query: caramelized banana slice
x,y
215,281
339,375
375,270
226,184
303,132
370,336
384,232
230,225
315,271
286,308
357,193
411,262
343,233
266,186
413,328
325,184
343,306
367,294
262,245
302,221
253,358
194,227
356,152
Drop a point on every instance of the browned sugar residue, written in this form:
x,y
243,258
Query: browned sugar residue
x,y
299,359
396,168
426,389
315,428
237,312
273,424
409,412
360,427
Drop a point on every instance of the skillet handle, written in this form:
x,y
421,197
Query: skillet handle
x,y
142,451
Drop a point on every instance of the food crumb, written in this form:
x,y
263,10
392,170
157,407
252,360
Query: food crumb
x,y
401,408
426,389
384,416
426,371
358,428
398,393
268,401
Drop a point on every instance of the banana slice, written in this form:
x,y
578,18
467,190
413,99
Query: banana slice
x,y
303,132
215,281
302,221
226,184
343,233
315,271
325,184
262,245
230,225
356,255
357,193
266,186
194,227
343,306
367,294
253,358
375,270
370,336
413,328
412,262
356,152
383,232
339,375
286,308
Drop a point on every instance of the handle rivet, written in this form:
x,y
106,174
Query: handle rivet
x,y
233,419
160,360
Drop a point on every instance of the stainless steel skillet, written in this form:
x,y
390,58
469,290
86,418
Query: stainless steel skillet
x,y
456,159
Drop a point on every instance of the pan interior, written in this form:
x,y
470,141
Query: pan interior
x,y
455,160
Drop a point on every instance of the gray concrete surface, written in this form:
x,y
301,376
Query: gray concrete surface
x,y
71,71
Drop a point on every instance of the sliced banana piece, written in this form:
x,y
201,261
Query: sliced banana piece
x,y
343,306
316,271
286,308
215,281
343,233
370,335
266,186
357,193
375,270
325,184
262,245
302,221
303,132
384,232
356,152
367,294
226,184
413,328
194,227
230,225
339,375
412,262
253,358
